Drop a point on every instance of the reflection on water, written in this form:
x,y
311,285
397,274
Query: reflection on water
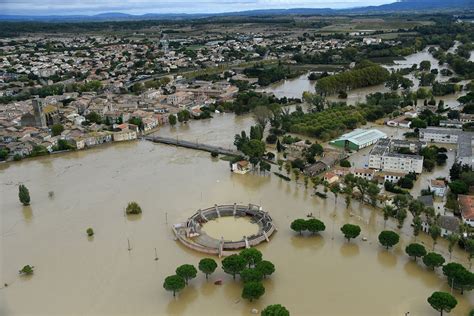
x,y
386,258
349,250
230,228
27,213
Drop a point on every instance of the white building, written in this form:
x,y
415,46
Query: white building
x,y
440,135
382,158
438,187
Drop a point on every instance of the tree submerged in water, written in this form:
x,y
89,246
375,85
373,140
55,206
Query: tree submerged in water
x,y
27,270
24,195
133,208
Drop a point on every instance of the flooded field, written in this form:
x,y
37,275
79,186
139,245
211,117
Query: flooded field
x,y
77,275
294,88
230,228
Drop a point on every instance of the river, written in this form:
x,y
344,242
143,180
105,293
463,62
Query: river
x,y
77,275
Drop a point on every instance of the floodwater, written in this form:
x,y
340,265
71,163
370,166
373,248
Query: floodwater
x,y
230,228
77,275
294,88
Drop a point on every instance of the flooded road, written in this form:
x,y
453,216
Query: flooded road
x,y
77,275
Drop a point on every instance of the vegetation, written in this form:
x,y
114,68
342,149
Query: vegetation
x,y
174,283
298,225
275,310
433,260
415,250
442,302
187,272
314,225
253,290
233,264
24,194
90,232
251,275
207,266
388,238
265,267
252,256
133,208
27,270
57,129
365,75
350,231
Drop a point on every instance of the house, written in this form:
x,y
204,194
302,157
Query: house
x,y
448,224
466,204
438,187
124,135
367,174
427,200
392,177
330,177
240,167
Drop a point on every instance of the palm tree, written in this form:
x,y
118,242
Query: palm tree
x,y
388,211
453,240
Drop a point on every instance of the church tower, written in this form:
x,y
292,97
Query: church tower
x,y
40,118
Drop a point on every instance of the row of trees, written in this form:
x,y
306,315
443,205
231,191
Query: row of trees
x,y
369,75
249,264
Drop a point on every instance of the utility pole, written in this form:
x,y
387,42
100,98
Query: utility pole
x,y
156,255
129,248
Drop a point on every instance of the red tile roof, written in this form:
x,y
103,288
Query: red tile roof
x,y
466,203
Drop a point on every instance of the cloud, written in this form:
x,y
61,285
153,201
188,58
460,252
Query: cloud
x,y
49,7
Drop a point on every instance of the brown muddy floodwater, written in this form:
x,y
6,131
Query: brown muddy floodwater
x,y
75,275
230,228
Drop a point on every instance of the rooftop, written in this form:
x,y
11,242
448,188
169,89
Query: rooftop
x,y
362,136
466,203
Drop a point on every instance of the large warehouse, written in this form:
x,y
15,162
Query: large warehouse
x,y
358,139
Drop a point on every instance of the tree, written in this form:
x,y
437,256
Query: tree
x,y
315,225
417,226
207,266
253,290
27,270
458,187
350,231
174,283
298,225
133,208
401,215
442,302
266,267
24,194
388,211
172,119
425,65
252,256
262,115
388,238
251,275
90,232
458,276
373,191
345,163
233,264
187,272
433,260
469,246
415,250
275,310
57,129
435,233
453,240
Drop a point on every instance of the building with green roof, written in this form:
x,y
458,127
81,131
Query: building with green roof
x,y
358,139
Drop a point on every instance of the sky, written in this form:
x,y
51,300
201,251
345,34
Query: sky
x,y
90,7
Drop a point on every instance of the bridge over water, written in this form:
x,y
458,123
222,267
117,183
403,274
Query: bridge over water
x,y
193,145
